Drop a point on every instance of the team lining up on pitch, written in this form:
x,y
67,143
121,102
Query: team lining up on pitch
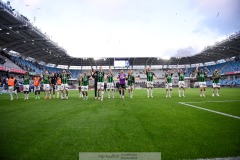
x,y
59,82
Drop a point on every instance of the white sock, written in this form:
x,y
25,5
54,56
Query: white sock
x,y
16,93
204,92
148,91
109,93
112,93
151,92
102,94
27,96
183,92
11,96
218,91
170,92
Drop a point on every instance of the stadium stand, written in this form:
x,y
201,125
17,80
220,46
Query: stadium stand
x,y
229,67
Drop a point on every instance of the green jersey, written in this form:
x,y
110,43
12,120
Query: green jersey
x,y
201,77
85,80
65,78
169,77
215,74
26,80
181,76
46,79
150,76
131,80
110,78
101,76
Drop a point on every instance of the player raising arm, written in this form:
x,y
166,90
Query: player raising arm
x,y
131,81
150,76
79,80
110,83
168,82
201,76
85,82
64,87
122,82
216,84
26,82
46,87
94,75
181,83
100,83
53,79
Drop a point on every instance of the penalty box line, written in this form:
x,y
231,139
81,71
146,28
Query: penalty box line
x,y
209,110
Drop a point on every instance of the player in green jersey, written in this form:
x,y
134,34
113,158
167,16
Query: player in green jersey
x,y
216,84
85,82
181,83
168,82
79,80
201,76
46,87
150,78
130,81
110,83
26,82
100,83
64,86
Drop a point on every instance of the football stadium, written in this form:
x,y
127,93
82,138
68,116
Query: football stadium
x,y
55,105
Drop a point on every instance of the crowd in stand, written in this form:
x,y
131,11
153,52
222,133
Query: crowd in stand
x,y
225,67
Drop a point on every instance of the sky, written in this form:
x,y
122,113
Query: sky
x,y
133,28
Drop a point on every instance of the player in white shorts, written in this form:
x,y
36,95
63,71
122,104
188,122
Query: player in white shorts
x,y
202,80
150,79
85,82
110,83
64,86
216,84
100,83
130,81
26,82
181,83
46,86
168,82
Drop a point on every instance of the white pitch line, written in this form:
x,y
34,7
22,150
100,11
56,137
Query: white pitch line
x,y
215,101
209,110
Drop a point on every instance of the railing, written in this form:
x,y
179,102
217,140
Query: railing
x,y
11,69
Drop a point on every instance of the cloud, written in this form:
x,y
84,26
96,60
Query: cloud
x,y
220,15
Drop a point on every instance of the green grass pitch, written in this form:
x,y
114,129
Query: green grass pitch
x,y
60,129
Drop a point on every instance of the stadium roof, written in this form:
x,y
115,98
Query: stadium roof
x,y
19,35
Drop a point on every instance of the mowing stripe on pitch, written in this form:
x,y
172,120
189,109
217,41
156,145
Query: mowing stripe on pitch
x,y
209,110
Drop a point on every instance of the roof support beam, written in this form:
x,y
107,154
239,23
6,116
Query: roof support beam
x,y
12,43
